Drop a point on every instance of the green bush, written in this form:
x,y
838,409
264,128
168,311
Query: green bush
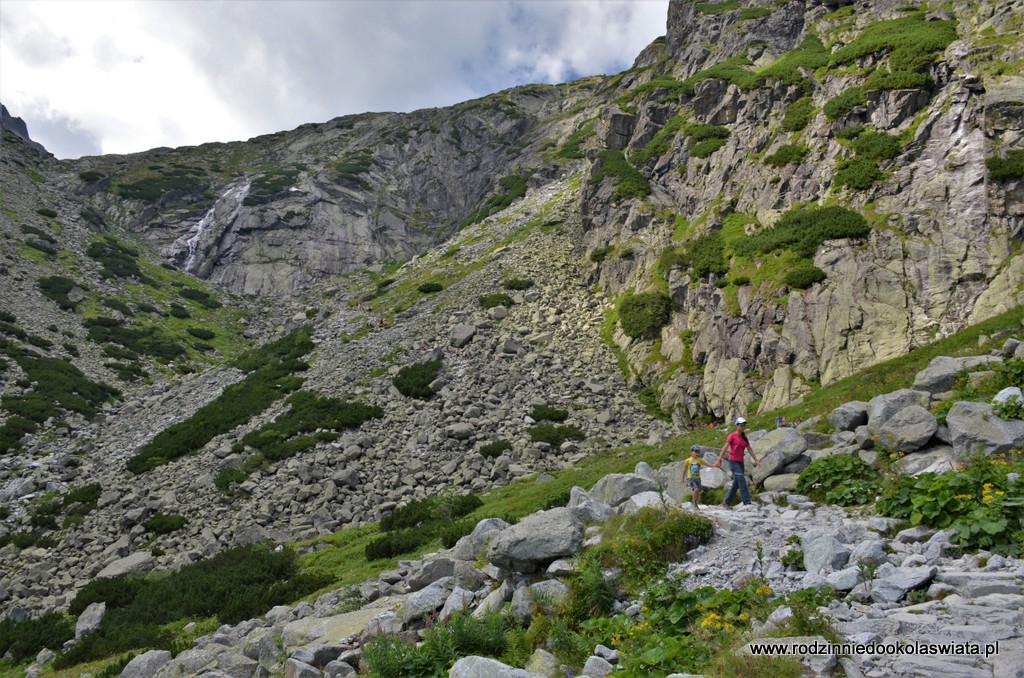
x,y
451,533
90,176
883,79
162,523
751,13
876,145
798,114
803,229
641,315
201,333
179,311
601,253
414,380
57,288
858,173
717,7
494,449
307,413
555,435
809,56
733,70
803,277
517,284
226,478
395,544
983,503
151,188
644,543
200,296
629,183
495,299
1009,167
788,154
829,476
47,212
24,640
144,340
851,132
430,287
913,40
841,104
704,149
548,413
512,187
118,260
270,378
237,584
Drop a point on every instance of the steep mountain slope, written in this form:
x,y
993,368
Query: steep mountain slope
x,y
773,197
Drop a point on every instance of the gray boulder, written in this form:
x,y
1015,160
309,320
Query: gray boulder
x,y
775,450
849,416
474,544
427,600
136,563
937,459
588,510
881,408
823,553
90,619
596,667
538,539
429,571
146,665
482,667
616,488
942,372
908,430
893,588
974,427
462,334
1007,394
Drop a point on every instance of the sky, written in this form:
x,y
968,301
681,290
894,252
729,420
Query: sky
x,y
92,77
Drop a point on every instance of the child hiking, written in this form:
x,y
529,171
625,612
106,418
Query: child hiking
x,y
736,443
692,474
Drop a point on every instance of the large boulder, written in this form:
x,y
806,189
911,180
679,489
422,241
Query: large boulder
x,y
616,488
893,588
427,600
146,664
775,450
135,563
483,667
823,553
90,619
475,543
849,416
941,374
537,540
882,407
908,430
587,509
974,427
932,460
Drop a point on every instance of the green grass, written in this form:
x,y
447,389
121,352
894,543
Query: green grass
x,y
629,183
912,42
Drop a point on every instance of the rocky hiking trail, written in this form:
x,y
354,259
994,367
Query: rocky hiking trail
x,y
974,598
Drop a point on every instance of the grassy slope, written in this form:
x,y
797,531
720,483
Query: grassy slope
x,y
347,564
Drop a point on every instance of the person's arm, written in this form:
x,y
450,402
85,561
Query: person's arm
x,y
757,462
721,454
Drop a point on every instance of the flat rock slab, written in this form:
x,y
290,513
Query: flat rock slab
x,y
326,629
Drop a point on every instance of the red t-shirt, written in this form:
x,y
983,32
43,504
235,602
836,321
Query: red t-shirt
x,y
736,446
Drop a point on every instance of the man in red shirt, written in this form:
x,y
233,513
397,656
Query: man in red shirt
x,y
736,443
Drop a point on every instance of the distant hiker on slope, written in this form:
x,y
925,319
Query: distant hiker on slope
x,y
736,443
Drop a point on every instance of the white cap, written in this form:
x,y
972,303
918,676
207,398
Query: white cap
x,y
741,420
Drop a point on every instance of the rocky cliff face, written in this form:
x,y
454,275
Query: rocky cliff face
x,y
276,213
943,237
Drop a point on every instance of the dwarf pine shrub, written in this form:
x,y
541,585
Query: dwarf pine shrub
x,y
641,315
414,380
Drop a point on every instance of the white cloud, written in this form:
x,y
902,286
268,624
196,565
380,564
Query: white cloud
x,y
140,75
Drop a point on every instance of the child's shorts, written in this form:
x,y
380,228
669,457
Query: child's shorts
x,y
694,483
